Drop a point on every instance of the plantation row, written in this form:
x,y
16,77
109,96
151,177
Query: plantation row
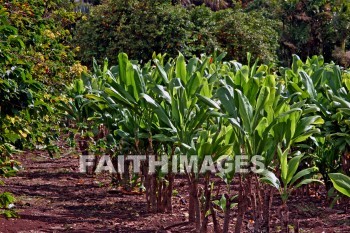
x,y
296,118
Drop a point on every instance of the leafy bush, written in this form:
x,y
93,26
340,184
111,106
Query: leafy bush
x,y
39,39
239,33
140,28
202,39
135,27
309,27
34,51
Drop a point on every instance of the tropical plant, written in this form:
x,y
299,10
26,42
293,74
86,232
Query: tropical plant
x,y
218,111
341,183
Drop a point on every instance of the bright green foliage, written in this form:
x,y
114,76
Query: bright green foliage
x,y
323,87
296,118
34,50
212,108
36,38
341,183
7,199
176,101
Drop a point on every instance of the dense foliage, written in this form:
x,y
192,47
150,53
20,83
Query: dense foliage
x,y
35,61
295,119
270,30
38,39
135,27
310,27
140,28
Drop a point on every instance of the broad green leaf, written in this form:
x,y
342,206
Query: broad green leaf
x,y
335,81
284,162
317,76
122,60
163,93
343,102
235,123
297,88
159,111
205,90
120,98
225,95
163,74
192,65
223,202
116,87
311,109
308,84
262,125
293,165
175,113
220,57
262,98
181,68
270,178
245,110
306,135
260,104
150,100
208,101
193,83
307,181
162,138
305,124
345,110
303,173
341,183
296,63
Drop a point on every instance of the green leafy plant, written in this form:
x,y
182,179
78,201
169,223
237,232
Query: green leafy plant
x,y
341,183
6,202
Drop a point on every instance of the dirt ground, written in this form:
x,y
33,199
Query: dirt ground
x,y
52,196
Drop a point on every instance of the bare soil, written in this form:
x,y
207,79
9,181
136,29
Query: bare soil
x,y
52,196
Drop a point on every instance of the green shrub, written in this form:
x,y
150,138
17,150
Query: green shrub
x,y
34,51
239,33
134,27
140,28
40,38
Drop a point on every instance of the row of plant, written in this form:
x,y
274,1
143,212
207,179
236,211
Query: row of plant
x,y
35,61
295,118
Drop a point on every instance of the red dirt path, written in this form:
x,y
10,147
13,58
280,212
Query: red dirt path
x,y
52,196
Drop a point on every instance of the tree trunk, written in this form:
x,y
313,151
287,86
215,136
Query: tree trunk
x,y
284,215
241,206
154,193
193,198
169,205
227,214
191,208
160,206
198,208
215,221
207,194
343,45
